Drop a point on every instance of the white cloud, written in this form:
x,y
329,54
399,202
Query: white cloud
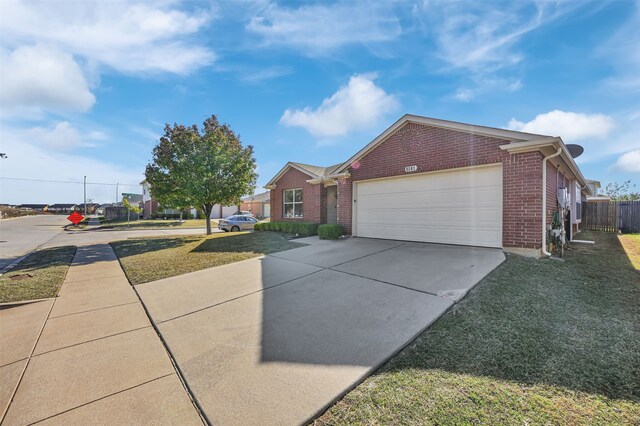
x,y
629,162
26,160
355,106
126,36
485,85
42,78
571,126
478,36
261,75
480,41
62,136
320,28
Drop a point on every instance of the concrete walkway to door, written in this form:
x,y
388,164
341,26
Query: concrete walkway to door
x,y
89,356
275,340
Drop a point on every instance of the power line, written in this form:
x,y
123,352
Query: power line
x,y
68,181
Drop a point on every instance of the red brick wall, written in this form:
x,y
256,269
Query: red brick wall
x,y
254,208
312,210
432,148
522,200
150,207
345,203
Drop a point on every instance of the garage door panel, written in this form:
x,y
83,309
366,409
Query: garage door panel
x,y
453,207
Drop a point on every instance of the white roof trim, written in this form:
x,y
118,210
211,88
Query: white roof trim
x,y
330,178
452,125
271,183
539,144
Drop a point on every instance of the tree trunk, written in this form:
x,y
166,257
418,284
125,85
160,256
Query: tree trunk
x,y
208,208
181,216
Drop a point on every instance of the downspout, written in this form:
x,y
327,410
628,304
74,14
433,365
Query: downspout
x,y
544,201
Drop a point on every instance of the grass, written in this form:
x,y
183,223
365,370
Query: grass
x,y
38,276
156,224
537,342
150,259
631,245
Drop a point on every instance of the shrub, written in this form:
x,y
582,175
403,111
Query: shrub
x,y
299,228
330,232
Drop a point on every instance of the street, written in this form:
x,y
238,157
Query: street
x,y
22,235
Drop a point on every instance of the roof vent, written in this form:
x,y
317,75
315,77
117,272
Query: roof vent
x,y
575,150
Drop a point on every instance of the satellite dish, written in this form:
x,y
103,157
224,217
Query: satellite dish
x,y
575,150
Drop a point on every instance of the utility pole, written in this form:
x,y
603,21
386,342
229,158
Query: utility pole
x,y
85,196
117,192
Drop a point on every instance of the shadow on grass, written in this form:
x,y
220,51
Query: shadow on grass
x,y
38,276
44,258
572,323
255,242
132,247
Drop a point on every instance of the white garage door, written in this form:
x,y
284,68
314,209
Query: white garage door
x,y
462,206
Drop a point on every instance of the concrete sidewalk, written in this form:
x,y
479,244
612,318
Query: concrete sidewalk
x,y
97,359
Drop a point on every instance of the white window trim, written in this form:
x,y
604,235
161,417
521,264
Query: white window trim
x,y
284,203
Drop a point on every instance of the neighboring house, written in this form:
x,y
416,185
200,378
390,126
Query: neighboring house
x,y
219,211
594,186
34,207
259,205
152,208
61,208
432,180
134,199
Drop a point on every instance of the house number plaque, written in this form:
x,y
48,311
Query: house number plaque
x,y
410,169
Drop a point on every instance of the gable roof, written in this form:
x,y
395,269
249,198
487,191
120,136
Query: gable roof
x,y
257,198
314,172
33,206
514,142
61,206
507,135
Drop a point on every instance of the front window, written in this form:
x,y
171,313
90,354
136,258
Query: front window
x,y
293,203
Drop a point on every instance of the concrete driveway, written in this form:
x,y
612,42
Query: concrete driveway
x,y
275,340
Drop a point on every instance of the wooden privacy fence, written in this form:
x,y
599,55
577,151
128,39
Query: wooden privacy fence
x,y
611,216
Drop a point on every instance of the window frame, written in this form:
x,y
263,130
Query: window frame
x,y
292,203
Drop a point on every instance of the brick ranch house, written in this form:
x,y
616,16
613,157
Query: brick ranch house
x,y
439,181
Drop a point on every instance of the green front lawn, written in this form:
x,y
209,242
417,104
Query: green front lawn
x,y
38,276
151,259
156,224
537,342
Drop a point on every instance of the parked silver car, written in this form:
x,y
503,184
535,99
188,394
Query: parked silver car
x,y
237,223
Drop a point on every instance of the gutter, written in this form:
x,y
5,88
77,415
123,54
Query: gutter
x,y
544,201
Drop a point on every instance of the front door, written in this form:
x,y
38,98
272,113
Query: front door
x,y
332,204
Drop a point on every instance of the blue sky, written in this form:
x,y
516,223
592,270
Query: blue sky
x,y
86,87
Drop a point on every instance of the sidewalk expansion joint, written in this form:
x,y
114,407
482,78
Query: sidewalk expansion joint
x,y
91,340
101,398
92,310
174,363
5,409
